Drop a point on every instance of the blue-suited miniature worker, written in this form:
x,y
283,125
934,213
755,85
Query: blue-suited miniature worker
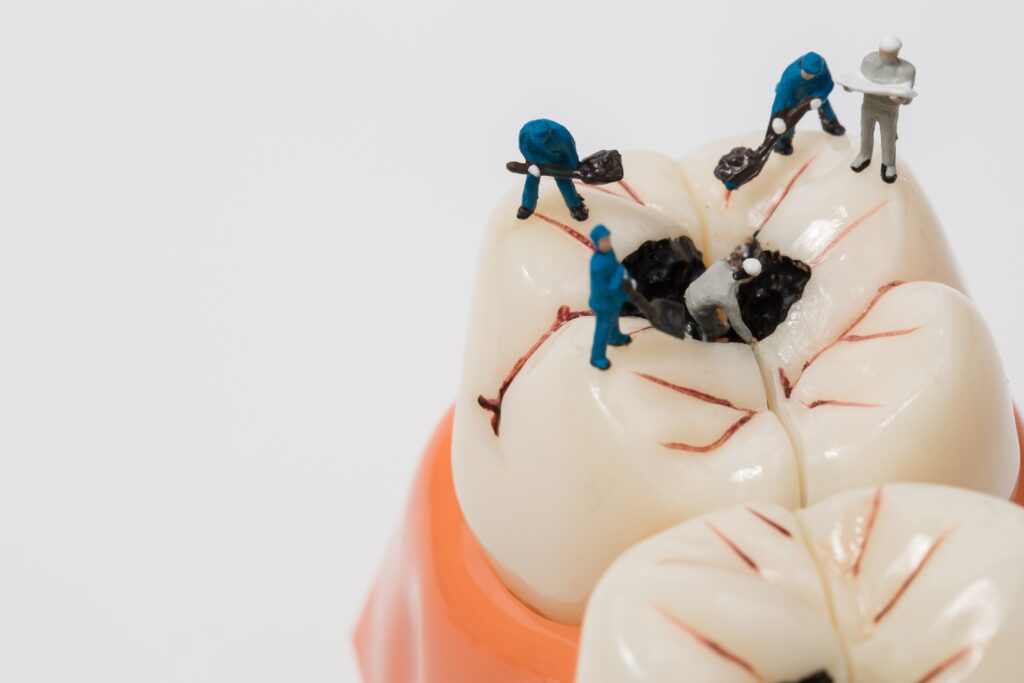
x,y
546,142
808,76
606,297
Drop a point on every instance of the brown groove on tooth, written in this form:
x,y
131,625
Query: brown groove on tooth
x,y
844,232
771,522
694,393
876,504
788,385
783,192
493,405
913,575
707,642
717,443
880,335
570,231
948,663
834,402
747,559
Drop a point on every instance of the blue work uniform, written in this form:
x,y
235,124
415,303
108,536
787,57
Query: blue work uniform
x,y
792,88
606,299
545,142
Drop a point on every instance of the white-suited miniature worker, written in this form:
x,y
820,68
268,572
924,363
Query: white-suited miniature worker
x,y
887,83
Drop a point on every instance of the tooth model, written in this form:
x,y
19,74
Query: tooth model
x,y
882,371
904,583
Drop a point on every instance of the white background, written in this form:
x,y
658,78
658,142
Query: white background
x,y
236,246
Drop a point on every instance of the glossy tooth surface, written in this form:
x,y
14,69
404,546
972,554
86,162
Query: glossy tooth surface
x,y
914,392
926,582
732,596
588,463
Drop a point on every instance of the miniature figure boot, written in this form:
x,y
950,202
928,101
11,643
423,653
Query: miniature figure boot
x,y
617,338
784,146
524,213
832,126
581,212
860,162
889,174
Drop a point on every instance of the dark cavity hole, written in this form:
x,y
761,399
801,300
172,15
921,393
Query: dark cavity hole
x,y
663,269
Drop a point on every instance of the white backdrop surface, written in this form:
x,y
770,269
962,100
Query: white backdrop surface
x,y
236,246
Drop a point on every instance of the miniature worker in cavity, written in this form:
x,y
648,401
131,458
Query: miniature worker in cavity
x,y
544,141
607,295
895,78
716,288
806,77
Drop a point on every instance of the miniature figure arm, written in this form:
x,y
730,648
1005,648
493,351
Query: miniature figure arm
x,y
615,282
732,311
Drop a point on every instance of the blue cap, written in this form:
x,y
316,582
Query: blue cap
x,y
598,232
812,63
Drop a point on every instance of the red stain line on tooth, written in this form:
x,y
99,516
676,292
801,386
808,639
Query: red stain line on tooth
x,y
948,663
844,232
913,575
493,405
876,504
879,335
788,385
580,183
571,232
632,193
707,642
832,402
709,398
770,522
725,199
747,559
784,191
717,443
642,329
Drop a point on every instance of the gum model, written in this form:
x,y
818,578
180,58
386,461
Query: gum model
x,y
828,505
887,83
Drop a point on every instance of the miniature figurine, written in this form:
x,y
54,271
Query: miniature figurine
x,y
550,151
807,77
543,141
607,294
805,85
887,82
718,288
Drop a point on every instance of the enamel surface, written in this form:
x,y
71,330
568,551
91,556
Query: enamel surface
x,y
730,597
925,582
848,391
908,583
915,392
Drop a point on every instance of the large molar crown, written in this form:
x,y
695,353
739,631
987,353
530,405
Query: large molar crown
x,y
559,467
906,582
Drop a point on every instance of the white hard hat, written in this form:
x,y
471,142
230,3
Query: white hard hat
x,y
890,44
752,267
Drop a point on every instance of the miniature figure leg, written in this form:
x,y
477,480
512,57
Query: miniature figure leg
x,y
887,124
867,131
530,190
707,321
602,329
735,316
615,335
826,112
569,194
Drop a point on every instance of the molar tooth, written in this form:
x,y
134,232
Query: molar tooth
x,y
733,595
938,592
902,394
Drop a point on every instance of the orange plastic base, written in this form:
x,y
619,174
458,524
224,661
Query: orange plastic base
x,y
438,612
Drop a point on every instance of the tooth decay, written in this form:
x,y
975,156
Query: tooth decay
x,y
558,469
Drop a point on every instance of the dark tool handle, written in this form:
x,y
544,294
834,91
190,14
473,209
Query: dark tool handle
x,y
545,170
